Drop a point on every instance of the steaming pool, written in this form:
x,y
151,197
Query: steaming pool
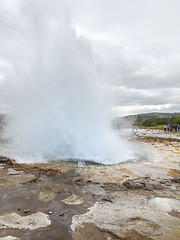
x,y
137,151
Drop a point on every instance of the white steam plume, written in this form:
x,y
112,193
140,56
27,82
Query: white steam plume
x,y
57,109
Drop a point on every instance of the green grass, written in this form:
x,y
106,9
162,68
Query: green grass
x,y
158,127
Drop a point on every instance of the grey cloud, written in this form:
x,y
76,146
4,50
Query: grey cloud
x,y
144,53
139,70
135,44
124,96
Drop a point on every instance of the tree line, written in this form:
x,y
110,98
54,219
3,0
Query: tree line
x,y
152,122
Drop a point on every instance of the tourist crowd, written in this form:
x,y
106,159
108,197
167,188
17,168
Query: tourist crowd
x,y
172,128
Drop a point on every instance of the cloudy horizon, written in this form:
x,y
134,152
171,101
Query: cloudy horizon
x,y
136,50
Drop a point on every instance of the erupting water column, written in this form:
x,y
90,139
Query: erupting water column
x,y
57,108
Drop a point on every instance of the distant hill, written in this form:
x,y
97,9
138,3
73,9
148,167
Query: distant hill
x,y
150,115
158,115
131,119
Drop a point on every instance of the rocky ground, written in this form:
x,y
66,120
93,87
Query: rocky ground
x,y
130,201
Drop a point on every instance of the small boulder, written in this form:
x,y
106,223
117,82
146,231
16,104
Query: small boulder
x,y
74,200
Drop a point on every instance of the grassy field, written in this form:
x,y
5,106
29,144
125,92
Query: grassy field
x,y
158,127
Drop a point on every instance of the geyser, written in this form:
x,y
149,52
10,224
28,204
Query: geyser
x,y
57,108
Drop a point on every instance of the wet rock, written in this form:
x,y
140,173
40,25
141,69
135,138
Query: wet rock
x,y
96,189
139,226
48,193
107,198
74,200
11,171
38,169
133,184
33,221
112,187
174,213
29,179
168,183
89,231
148,186
142,183
26,210
130,216
165,182
157,185
74,180
176,180
134,235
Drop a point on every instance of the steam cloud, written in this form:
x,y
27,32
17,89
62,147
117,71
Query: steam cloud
x,y
58,110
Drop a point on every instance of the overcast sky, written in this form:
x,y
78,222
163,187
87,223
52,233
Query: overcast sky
x,y
136,50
